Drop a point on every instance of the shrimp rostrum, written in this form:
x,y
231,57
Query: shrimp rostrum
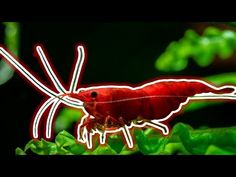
x,y
113,108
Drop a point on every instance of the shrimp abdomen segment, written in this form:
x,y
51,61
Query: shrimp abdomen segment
x,y
165,97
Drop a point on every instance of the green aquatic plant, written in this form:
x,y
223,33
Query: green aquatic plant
x,y
182,140
66,118
201,48
11,40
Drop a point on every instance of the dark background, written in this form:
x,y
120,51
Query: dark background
x,y
123,52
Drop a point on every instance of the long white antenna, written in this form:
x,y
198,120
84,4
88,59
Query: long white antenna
x,y
77,69
26,73
29,76
49,70
55,98
50,118
39,114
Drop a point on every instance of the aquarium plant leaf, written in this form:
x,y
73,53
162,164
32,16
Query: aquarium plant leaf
x,y
19,151
214,150
42,147
149,141
198,141
104,150
174,148
76,149
64,139
126,151
67,143
116,143
141,141
183,140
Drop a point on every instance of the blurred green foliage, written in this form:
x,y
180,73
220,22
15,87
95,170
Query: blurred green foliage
x,y
202,49
12,36
66,118
11,40
182,140
232,24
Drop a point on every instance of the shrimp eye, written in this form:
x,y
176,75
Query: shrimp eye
x,y
94,94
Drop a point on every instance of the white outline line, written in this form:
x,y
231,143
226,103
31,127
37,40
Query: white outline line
x,y
103,137
59,87
128,137
39,114
77,69
26,74
33,80
66,100
49,70
155,123
50,118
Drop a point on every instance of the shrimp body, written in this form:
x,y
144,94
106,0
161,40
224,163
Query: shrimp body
x,y
120,105
167,96
111,108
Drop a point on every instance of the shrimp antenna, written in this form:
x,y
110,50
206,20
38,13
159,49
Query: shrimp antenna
x,y
54,78
49,71
33,80
77,69
25,72
55,98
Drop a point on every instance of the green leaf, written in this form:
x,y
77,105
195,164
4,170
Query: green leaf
x,y
192,36
104,150
214,150
43,147
127,151
183,139
149,141
49,147
212,32
29,144
116,143
175,148
19,151
64,139
76,149
141,141
63,151
198,141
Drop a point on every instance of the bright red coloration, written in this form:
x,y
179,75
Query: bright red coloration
x,y
115,107
111,108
